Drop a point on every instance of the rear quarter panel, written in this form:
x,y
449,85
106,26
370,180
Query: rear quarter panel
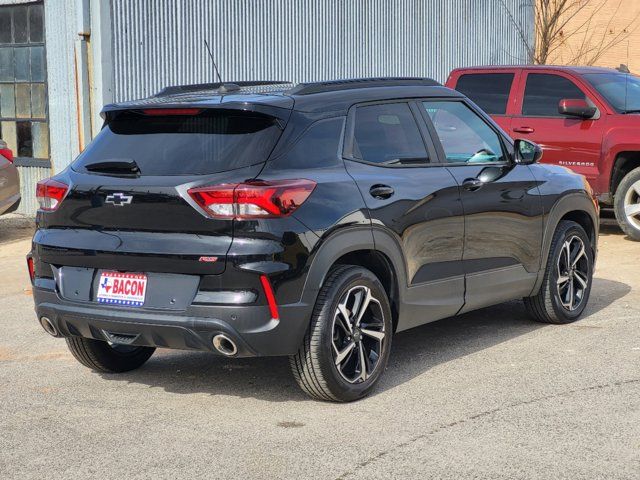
x,y
313,151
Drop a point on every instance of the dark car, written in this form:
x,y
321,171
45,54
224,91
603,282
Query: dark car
x,y
9,181
312,221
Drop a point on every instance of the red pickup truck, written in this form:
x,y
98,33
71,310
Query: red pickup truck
x,y
584,118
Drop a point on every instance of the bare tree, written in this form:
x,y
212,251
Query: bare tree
x,y
573,26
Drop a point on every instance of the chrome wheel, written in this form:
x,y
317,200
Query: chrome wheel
x,y
358,335
632,205
573,271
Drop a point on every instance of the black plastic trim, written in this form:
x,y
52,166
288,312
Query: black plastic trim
x,y
353,83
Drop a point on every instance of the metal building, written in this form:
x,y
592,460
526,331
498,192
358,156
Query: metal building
x,y
62,60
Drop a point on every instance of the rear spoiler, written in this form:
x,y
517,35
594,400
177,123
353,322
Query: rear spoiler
x,y
280,110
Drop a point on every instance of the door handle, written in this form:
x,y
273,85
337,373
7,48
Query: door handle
x,y
524,129
381,192
472,184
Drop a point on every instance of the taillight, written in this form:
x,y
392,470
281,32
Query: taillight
x,y
259,199
32,270
7,153
50,193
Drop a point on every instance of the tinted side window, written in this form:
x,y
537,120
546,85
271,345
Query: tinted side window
x,y
489,90
388,134
544,91
465,137
317,147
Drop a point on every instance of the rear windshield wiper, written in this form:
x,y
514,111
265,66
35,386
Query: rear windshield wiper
x,y
126,166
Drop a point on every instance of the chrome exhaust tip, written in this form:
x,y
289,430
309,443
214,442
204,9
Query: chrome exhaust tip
x,y
48,326
224,345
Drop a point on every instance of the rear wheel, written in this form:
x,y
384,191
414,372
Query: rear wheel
x,y
565,289
107,357
627,204
347,346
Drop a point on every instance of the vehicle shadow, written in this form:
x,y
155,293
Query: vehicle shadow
x,y
609,227
413,353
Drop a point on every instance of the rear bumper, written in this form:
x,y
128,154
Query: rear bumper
x,y
250,327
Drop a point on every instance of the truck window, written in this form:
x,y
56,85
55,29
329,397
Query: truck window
x,y
490,91
544,91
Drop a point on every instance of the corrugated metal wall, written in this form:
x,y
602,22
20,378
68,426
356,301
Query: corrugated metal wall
x,y
29,176
161,42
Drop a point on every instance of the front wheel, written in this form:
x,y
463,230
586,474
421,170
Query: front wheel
x,y
626,204
346,349
566,286
105,357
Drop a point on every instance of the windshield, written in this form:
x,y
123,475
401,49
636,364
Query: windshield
x,y
621,90
210,142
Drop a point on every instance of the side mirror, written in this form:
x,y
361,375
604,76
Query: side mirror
x,y
526,152
576,107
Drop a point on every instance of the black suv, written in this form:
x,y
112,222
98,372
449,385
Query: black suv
x,y
312,221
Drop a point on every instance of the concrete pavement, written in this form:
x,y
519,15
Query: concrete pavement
x,y
490,395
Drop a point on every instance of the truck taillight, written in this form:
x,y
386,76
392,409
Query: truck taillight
x,y
50,194
251,200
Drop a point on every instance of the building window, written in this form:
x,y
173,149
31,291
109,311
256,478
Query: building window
x,y
24,121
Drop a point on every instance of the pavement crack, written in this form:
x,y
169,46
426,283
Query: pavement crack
x,y
486,413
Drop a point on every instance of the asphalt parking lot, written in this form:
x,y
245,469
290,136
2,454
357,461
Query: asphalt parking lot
x,y
490,394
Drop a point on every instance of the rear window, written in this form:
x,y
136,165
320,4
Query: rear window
x,y
210,142
490,91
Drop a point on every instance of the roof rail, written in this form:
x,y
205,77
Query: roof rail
x,y
348,84
229,86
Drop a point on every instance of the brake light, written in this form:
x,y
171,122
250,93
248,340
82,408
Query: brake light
x,y
50,194
259,199
32,269
7,153
171,111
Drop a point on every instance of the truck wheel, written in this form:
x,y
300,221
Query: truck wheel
x,y
627,204
104,357
565,289
347,346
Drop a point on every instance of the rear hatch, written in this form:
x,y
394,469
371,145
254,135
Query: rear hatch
x,y
127,207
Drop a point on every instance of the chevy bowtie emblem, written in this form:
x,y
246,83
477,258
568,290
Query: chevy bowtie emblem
x,y
119,199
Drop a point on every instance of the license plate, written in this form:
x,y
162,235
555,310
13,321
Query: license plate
x,y
128,289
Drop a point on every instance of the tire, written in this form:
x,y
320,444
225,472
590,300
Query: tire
x,y
627,198
102,357
554,302
315,365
